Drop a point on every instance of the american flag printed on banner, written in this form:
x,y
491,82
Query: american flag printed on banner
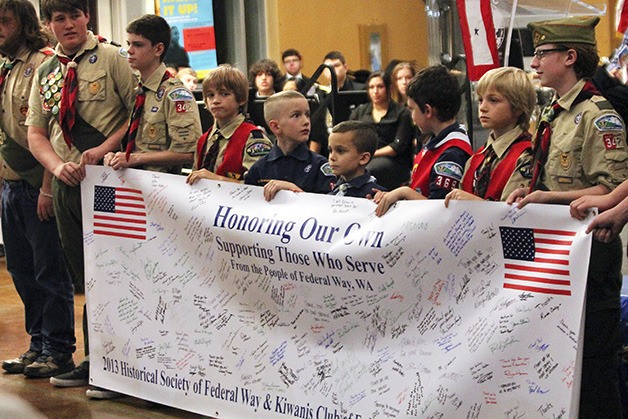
x,y
537,260
119,212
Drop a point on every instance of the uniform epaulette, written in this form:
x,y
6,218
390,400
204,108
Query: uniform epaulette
x,y
602,103
257,133
47,51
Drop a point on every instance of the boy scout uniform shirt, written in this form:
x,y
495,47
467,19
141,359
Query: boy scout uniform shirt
x,y
14,102
170,119
522,174
256,146
104,100
587,147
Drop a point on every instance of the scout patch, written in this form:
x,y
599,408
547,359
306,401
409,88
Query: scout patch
x,y
258,149
123,52
578,118
180,94
94,87
526,170
326,169
181,106
29,70
50,87
24,110
612,141
154,109
93,59
565,161
564,180
152,132
608,123
448,169
448,174
160,93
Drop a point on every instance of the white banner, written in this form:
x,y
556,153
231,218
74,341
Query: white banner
x,y
210,299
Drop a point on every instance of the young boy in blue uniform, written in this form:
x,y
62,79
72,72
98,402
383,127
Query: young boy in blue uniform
x,y
352,144
290,164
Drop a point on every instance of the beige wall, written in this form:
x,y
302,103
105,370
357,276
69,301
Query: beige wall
x,y
315,27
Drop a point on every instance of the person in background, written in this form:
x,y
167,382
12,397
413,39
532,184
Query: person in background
x,y
265,78
337,60
33,251
66,132
230,148
392,161
506,99
401,76
580,149
189,78
434,100
293,64
176,56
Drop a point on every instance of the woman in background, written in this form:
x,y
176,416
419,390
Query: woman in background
x,y
392,161
401,76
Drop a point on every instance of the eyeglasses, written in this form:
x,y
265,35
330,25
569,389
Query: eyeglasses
x,y
540,53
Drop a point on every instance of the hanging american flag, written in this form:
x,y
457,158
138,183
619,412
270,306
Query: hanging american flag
x,y
478,36
537,260
119,212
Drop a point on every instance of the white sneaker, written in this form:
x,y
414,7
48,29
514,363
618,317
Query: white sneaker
x,y
102,393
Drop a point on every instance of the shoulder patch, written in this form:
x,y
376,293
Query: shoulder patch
x,y
449,169
180,93
123,52
326,169
258,149
608,123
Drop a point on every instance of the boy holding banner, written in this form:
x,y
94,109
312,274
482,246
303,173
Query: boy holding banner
x,y
506,99
434,101
33,252
580,149
165,123
290,164
73,122
232,146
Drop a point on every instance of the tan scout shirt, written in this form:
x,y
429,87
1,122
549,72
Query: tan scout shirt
x,y
521,176
170,120
588,145
105,96
254,149
14,101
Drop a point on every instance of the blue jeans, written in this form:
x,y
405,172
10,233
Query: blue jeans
x,y
36,264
